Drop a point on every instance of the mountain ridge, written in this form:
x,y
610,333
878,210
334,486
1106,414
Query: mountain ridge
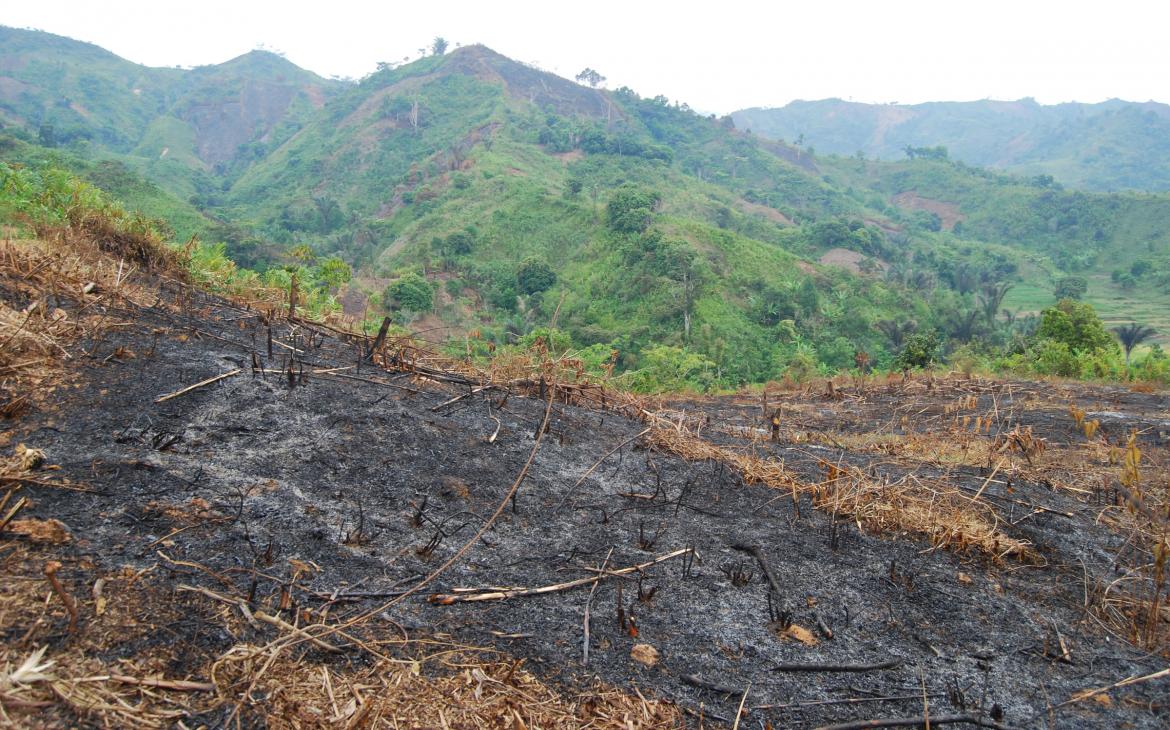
x,y
1108,145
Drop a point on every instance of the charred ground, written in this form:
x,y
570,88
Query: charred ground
x,y
316,487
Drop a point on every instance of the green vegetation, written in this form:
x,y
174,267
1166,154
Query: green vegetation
x,y
50,200
633,232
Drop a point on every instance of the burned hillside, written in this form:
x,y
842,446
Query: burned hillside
x,y
218,514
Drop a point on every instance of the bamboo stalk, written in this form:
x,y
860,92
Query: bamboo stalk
x,y
200,384
446,599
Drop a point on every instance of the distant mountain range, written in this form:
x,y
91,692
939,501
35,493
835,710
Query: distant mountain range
x,y
1114,145
71,92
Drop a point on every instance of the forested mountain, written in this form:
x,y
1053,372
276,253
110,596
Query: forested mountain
x,y
483,201
1113,145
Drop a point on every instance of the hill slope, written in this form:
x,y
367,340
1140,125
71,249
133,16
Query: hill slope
x,y
1113,145
173,123
483,200
188,495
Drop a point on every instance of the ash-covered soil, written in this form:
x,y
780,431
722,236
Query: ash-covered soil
x,y
368,477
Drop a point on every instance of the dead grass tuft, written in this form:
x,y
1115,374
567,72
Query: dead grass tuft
x,y
946,517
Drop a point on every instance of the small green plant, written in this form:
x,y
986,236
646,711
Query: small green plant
x,y
919,352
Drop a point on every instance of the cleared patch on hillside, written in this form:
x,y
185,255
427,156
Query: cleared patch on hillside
x,y
851,261
764,211
948,213
331,531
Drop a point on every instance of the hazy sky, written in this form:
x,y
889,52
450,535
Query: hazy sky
x,y
715,56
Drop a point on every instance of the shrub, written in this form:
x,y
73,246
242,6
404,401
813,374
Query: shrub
x,y
631,209
412,292
1075,324
666,368
919,351
535,276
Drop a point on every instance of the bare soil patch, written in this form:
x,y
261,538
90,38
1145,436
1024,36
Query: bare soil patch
x,y
948,213
765,211
850,260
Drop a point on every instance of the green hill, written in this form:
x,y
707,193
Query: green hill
x,y
1114,145
483,201
175,125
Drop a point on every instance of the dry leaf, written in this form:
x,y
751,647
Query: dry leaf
x,y
50,531
799,633
29,458
99,597
644,654
1103,699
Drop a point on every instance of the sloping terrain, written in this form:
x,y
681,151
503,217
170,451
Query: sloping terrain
x,y
947,546
180,126
468,171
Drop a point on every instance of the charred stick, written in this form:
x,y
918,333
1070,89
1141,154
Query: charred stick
x,y
846,701
877,666
758,554
496,595
824,627
598,463
921,721
50,571
695,680
462,396
379,340
179,685
200,384
588,603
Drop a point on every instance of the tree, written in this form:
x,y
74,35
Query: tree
x,y
1076,324
992,299
439,46
591,77
631,209
920,351
535,276
896,332
303,254
412,292
1071,287
333,272
1132,335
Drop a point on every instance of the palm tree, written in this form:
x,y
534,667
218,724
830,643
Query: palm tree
x,y
1132,335
895,331
991,299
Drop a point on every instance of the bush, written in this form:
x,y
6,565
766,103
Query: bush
x,y
920,351
665,368
412,292
631,209
1052,357
1071,287
1075,324
535,276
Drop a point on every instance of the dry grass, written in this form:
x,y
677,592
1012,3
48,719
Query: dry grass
x,y
136,662
946,517
53,295
136,657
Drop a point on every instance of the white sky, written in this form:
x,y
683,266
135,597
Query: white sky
x,y
715,56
